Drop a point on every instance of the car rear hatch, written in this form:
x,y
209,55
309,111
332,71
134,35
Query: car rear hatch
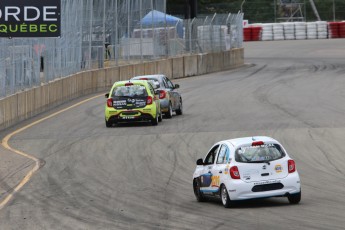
x,y
125,102
261,162
254,172
130,96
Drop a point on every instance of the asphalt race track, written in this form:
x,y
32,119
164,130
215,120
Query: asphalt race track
x,y
140,176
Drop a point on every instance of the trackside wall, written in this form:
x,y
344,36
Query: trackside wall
x,y
28,103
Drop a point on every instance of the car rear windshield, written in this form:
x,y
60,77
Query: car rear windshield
x,y
130,91
260,153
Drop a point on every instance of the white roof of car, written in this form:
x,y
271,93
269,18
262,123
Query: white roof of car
x,y
148,76
248,140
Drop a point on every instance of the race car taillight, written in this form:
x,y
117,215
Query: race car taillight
x,y
110,102
291,166
149,100
234,173
162,94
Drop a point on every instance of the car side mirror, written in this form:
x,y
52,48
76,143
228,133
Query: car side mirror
x,y
177,86
199,162
106,95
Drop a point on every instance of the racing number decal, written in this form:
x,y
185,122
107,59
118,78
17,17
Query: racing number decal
x,y
215,181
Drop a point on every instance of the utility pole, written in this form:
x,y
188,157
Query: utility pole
x,y
312,3
190,9
191,33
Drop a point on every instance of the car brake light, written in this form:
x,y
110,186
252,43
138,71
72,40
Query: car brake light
x,y
257,143
149,100
128,84
144,78
110,102
291,166
234,173
162,94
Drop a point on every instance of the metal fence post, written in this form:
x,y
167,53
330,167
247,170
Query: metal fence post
x,y
190,36
211,32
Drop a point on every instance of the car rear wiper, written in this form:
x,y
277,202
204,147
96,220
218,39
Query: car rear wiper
x,y
265,161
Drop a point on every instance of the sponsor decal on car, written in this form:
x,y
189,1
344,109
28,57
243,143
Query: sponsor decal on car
x,y
226,170
215,181
278,168
119,103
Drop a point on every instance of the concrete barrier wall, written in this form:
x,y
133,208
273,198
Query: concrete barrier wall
x,y
31,102
177,67
190,65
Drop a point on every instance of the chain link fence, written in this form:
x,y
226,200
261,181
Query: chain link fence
x,y
102,33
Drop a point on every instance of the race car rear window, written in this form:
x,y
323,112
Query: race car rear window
x,y
154,81
261,153
130,91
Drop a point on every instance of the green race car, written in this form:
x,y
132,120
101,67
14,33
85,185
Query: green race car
x,y
134,100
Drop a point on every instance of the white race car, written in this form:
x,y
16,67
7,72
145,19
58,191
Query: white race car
x,y
247,168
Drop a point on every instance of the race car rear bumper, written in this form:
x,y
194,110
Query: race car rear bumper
x,y
239,190
119,118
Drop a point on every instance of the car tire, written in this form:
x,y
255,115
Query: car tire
x,y
198,194
160,118
224,196
169,113
179,111
294,198
108,124
154,121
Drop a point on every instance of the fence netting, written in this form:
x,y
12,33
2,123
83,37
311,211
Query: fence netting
x,y
103,33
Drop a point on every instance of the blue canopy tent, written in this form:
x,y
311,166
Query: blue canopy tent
x,y
157,18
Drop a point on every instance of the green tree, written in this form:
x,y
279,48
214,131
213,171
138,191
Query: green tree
x,y
257,11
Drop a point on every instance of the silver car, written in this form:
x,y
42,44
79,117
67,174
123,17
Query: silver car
x,y
170,99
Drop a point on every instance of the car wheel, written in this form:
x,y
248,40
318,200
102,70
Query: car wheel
x,y
154,121
179,111
108,124
225,197
160,118
198,194
294,198
169,113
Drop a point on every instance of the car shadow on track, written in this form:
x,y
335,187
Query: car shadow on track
x,y
254,203
132,124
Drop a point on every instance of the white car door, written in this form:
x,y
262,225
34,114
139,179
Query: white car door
x,y
220,170
206,176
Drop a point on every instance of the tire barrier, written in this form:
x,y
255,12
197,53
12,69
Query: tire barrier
x,y
312,30
252,33
300,30
342,29
333,28
278,31
267,32
247,34
294,31
322,32
289,30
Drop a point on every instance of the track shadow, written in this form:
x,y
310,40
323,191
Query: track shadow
x,y
254,203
